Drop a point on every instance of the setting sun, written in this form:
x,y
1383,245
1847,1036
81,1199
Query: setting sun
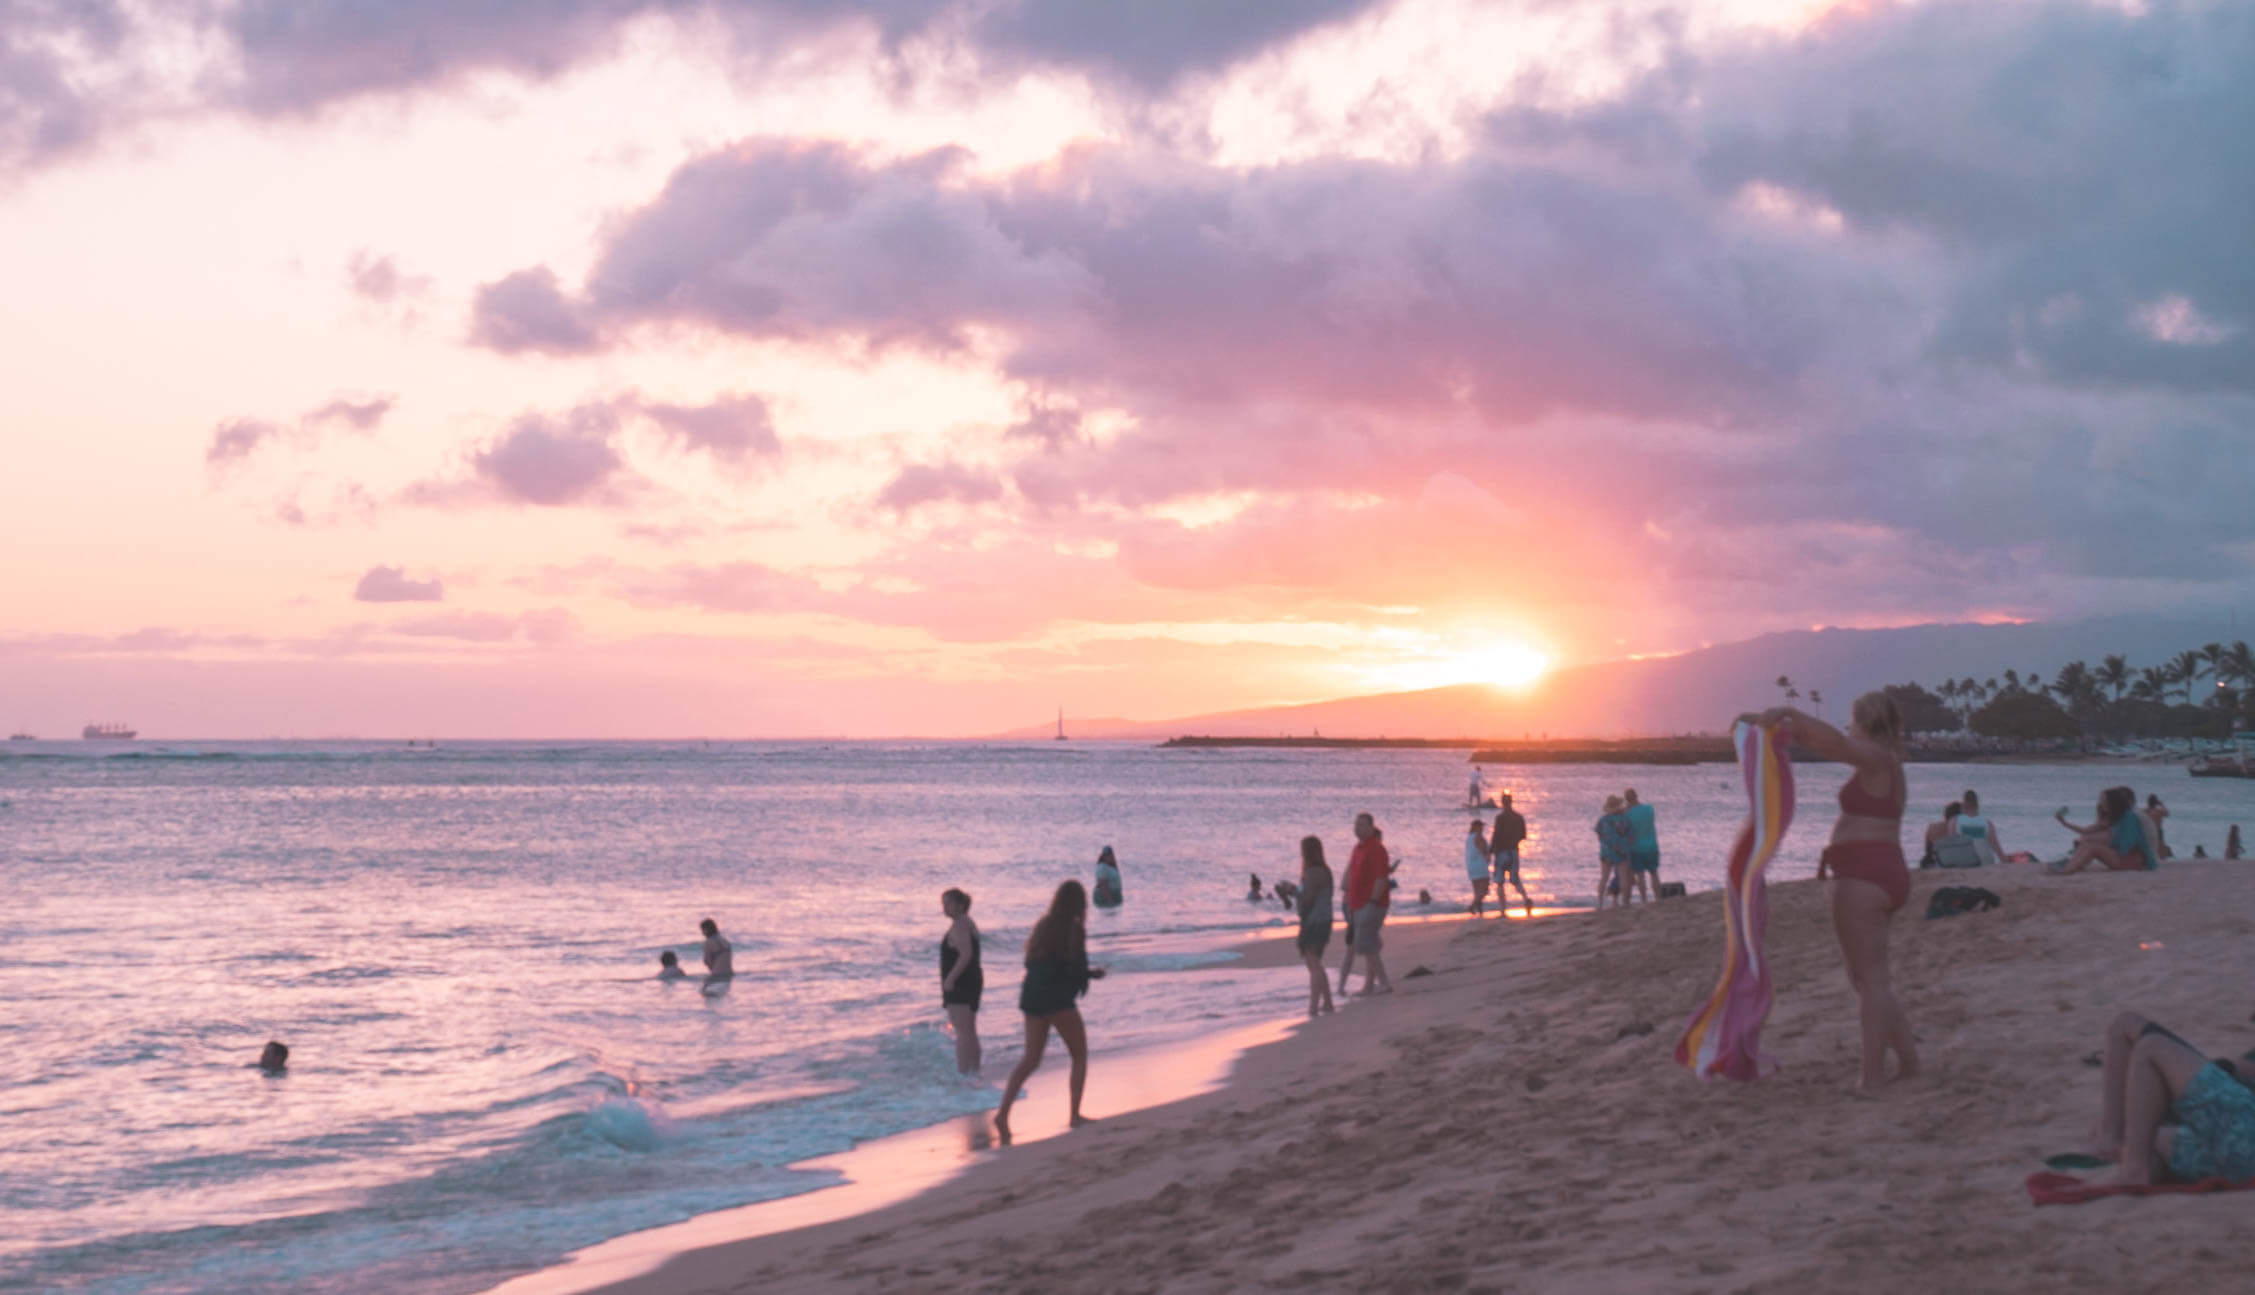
x,y
1509,664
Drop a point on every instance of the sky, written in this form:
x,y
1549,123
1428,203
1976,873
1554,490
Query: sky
x,y
922,367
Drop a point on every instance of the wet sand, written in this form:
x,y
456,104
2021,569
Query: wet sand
x,y
1513,1121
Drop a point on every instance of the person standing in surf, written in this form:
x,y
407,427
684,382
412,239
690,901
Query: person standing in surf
x,y
1369,895
1314,907
720,955
962,978
1476,867
1613,853
1870,879
1511,831
1108,891
1057,974
1644,848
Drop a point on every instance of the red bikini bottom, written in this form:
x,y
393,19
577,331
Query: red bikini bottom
x,y
1878,862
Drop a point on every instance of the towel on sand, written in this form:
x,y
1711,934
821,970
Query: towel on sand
x,y
2067,1189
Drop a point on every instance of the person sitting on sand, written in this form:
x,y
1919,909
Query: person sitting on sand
x,y
1057,974
1613,853
2232,848
1945,826
962,979
1369,895
1108,889
2155,812
1865,859
720,955
1510,831
2119,838
1254,896
669,967
2167,1111
275,1058
1973,825
1315,921
1476,866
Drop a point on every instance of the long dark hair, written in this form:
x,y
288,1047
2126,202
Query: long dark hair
x,y
2119,801
1312,866
1059,933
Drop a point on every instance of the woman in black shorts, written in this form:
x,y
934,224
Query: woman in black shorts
x,y
1315,921
962,979
1057,974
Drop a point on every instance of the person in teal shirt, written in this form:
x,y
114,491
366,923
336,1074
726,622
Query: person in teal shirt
x,y
1644,849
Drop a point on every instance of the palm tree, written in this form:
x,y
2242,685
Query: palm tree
x,y
2215,655
2237,665
2075,687
1950,692
2186,671
2011,680
1785,685
2114,673
2152,684
1816,699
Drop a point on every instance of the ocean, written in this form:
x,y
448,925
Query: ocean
x,y
459,946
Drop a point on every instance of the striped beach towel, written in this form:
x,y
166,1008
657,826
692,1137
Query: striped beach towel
x,y
1724,1036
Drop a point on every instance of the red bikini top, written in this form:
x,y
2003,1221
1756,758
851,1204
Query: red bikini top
x,y
1855,800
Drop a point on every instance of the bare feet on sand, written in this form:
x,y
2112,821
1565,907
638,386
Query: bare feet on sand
x,y
1080,1120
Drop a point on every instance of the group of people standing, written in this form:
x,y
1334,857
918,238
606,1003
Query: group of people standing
x,y
1628,850
1057,974
1499,853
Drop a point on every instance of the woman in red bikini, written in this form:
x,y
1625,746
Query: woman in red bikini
x,y
1865,860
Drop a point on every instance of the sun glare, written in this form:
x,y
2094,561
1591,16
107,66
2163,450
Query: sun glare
x,y
1510,665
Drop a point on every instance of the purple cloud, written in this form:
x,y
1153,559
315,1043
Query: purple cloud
x,y
551,462
926,483
729,427
391,585
236,439
379,278
528,312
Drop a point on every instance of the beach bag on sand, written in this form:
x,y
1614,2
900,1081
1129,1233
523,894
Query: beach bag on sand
x,y
1949,901
1957,852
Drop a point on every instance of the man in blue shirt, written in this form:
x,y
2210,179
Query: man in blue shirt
x,y
1644,849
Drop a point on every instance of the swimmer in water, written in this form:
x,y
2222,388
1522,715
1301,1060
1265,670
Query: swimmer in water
x,y
1253,896
669,967
720,955
276,1058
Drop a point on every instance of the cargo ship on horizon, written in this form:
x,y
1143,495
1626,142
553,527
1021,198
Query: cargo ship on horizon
x,y
109,732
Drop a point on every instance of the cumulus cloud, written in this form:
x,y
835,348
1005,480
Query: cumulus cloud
x,y
925,483
379,279
526,311
1942,289
234,440
391,585
574,457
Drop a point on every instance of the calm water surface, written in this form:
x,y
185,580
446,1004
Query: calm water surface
x,y
457,946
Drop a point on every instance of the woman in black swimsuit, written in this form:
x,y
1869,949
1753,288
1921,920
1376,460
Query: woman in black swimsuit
x,y
1057,974
962,979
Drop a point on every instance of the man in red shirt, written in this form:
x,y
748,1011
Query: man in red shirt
x,y
1368,893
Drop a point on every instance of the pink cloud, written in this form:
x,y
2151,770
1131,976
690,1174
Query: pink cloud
x,y
391,585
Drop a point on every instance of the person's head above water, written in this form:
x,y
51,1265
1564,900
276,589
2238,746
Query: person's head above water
x,y
668,959
709,927
1970,801
955,902
275,1058
1876,716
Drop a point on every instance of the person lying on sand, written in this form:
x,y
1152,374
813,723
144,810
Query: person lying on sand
x,y
2168,1112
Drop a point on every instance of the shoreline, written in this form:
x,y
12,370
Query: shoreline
x,y
1528,1079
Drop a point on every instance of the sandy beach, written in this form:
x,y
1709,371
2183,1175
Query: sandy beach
x,y
1513,1121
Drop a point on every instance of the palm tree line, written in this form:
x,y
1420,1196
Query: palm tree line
x,y
2082,688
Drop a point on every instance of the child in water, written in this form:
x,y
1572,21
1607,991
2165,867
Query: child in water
x,y
669,967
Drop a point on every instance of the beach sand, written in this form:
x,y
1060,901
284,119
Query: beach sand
x,y
1514,1121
